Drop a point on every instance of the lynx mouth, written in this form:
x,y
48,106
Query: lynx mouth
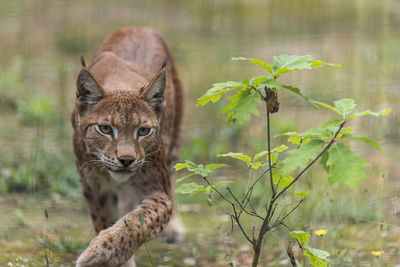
x,y
122,171
120,175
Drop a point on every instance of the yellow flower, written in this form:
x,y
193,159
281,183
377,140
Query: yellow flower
x,y
377,253
321,232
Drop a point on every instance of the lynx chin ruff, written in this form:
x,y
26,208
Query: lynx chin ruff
x,y
127,136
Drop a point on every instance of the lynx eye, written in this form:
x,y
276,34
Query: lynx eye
x,y
105,129
144,131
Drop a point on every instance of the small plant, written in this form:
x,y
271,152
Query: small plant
x,y
326,143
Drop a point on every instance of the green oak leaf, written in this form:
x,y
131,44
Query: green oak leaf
x,y
314,132
210,189
317,257
284,180
345,106
242,105
279,148
239,156
256,61
260,155
299,158
265,152
345,167
285,63
331,123
215,92
194,168
215,166
325,105
256,165
371,113
189,189
367,140
324,159
295,139
303,194
300,236
180,179
317,63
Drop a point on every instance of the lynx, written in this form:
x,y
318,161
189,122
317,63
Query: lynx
x,y
127,135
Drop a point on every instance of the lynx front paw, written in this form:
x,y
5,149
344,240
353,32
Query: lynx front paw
x,y
96,254
104,250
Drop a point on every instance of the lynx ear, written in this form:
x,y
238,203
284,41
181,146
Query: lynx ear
x,y
153,93
88,92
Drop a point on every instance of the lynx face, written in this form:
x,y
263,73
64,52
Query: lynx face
x,y
120,128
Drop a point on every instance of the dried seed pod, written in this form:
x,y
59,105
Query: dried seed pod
x,y
272,100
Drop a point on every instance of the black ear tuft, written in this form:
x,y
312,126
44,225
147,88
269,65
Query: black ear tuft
x,y
89,92
164,63
83,63
153,93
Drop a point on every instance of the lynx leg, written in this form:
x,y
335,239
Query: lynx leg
x,y
102,205
175,230
117,244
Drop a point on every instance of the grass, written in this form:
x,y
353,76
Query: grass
x,y
351,234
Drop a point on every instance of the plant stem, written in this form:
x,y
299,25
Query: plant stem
x,y
269,155
257,250
270,211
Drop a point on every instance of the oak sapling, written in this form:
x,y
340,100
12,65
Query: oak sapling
x,y
325,143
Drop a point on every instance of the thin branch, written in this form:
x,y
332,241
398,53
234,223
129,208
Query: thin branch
x,y
247,196
298,242
277,184
261,95
290,212
280,213
290,255
254,240
235,214
301,141
251,205
236,218
219,193
243,208
269,153
290,229
248,182
216,202
222,208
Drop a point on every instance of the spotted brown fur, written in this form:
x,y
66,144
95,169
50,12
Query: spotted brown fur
x,y
128,85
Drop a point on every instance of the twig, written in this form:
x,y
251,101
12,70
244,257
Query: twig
x,y
235,214
290,212
219,193
241,207
290,255
269,154
247,196
280,213
248,182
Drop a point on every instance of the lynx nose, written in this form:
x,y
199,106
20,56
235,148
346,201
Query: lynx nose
x,y
126,160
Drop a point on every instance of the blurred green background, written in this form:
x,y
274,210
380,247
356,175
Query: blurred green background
x,y
40,46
